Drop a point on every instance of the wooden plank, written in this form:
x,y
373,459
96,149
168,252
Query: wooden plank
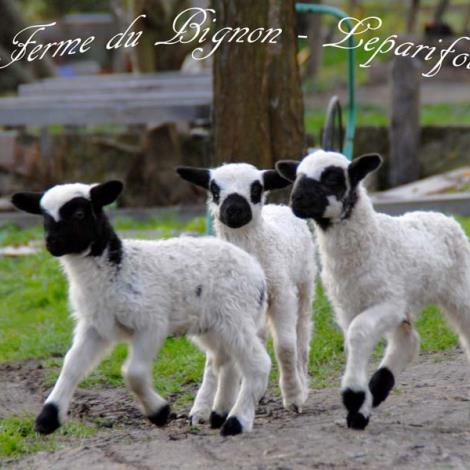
x,y
73,111
166,96
133,114
452,204
448,182
112,88
84,81
88,82
123,99
118,83
166,75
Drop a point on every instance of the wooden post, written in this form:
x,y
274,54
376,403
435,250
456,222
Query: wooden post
x,y
466,21
441,9
315,40
412,16
404,122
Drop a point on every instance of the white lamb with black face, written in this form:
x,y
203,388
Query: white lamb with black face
x,y
284,247
378,271
143,291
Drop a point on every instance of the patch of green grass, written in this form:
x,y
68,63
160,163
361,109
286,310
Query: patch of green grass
x,y
168,225
369,115
445,114
435,334
33,311
464,222
326,354
18,438
12,235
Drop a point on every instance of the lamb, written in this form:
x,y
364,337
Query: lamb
x,y
141,292
378,271
284,247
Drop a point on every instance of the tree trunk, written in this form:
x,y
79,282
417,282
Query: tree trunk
x,y
466,21
412,16
314,43
258,107
15,74
286,106
157,26
353,5
11,23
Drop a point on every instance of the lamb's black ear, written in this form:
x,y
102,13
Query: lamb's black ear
x,y
27,202
273,180
103,194
360,167
198,176
287,169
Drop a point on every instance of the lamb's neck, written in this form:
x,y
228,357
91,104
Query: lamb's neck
x,y
345,238
103,257
244,237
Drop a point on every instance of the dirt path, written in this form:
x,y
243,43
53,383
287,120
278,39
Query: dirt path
x,y
425,424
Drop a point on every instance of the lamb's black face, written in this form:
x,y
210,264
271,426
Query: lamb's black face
x,y
75,230
323,198
235,211
74,221
326,183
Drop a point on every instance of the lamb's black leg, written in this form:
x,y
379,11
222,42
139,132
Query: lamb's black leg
x,y
48,420
353,401
381,385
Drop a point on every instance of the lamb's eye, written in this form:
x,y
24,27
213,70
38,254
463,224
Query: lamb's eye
x,y
333,179
256,191
79,215
215,191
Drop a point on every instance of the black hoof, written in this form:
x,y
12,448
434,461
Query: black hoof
x,y
381,385
357,421
160,418
353,400
48,420
231,427
216,421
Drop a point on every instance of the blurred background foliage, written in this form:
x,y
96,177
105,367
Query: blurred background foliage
x,y
47,9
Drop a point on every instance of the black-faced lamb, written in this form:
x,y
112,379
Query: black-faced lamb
x,y
284,247
378,271
141,292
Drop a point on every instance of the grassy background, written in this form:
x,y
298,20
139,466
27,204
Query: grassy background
x,y
370,115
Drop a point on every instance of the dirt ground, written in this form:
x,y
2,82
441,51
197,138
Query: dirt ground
x,y
425,424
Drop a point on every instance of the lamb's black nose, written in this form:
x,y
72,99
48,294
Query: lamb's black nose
x,y
54,245
51,239
235,211
307,207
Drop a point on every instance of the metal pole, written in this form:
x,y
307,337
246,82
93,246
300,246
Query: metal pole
x,y
351,126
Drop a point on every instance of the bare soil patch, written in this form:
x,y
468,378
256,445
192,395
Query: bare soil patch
x,y
425,424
